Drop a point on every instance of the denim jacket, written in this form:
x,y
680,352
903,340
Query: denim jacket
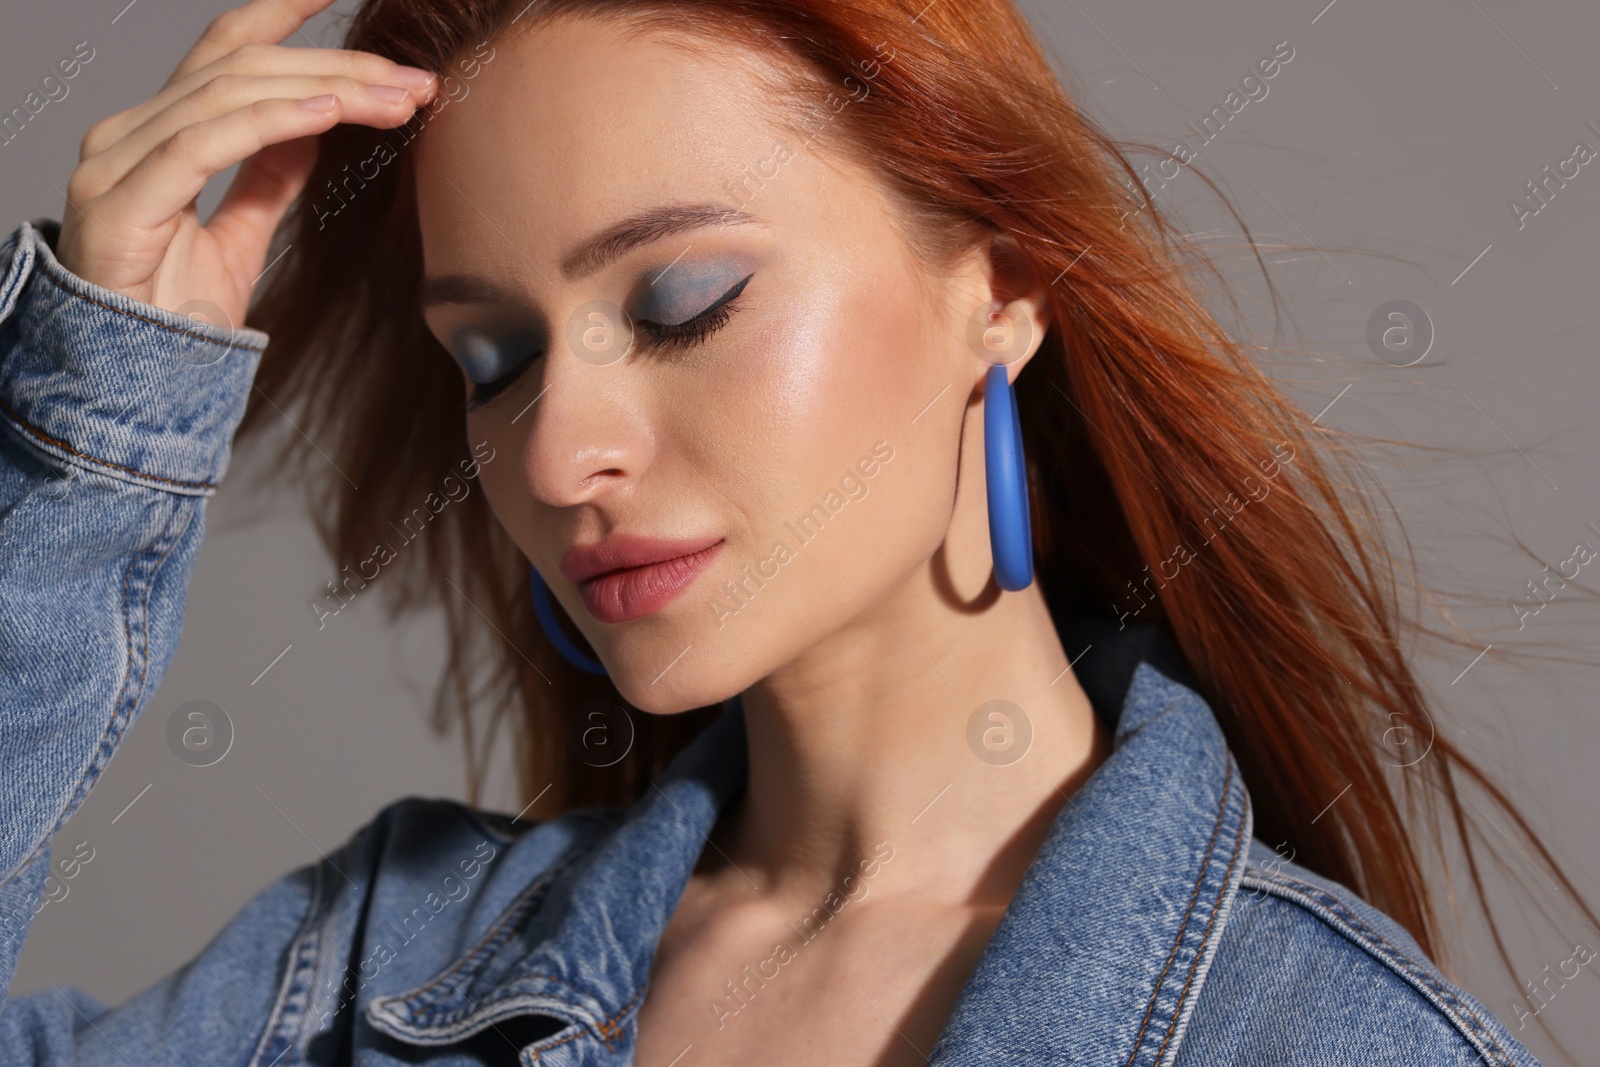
x,y
1151,928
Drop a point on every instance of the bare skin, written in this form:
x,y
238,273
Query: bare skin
x,y
869,979
863,662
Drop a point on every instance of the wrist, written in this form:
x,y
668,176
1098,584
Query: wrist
x,y
114,384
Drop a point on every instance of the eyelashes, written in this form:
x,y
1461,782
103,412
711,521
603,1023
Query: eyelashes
x,y
698,329
695,331
483,392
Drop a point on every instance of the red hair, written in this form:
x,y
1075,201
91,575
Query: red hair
x,y
1145,423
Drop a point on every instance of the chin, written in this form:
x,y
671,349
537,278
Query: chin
x,y
667,697
710,672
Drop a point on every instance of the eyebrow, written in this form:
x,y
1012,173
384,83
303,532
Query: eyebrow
x,y
613,242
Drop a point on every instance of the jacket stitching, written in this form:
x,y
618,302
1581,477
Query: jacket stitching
x,y
482,1019
144,612
117,716
1216,906
141,318
1177,943
605,1027
502,928
127,675
279,1024
29,427
556,1043
614,1024
1405,962
1395,956
20,259
496,933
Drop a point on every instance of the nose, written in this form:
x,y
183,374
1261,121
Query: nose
x,y
590,433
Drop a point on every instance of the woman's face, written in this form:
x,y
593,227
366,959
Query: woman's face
x,y
781,438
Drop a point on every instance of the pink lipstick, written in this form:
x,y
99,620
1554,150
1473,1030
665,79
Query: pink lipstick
x,y
628,577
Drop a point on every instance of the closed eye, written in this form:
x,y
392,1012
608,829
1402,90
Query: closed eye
x,y
685,334
481,355
698,329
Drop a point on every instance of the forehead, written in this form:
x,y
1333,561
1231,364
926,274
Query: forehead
x,y
575,123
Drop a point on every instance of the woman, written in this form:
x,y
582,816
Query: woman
x,y
738,295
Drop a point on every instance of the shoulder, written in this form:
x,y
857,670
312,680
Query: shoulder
x,y
1306,972
421,885
422,835
455,869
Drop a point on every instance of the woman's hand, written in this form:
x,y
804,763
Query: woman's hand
x,y
131,223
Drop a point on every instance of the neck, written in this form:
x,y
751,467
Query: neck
x,y
868,742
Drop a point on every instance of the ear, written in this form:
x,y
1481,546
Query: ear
x,y
1009,324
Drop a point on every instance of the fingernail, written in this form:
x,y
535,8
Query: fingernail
x,y
389,94
318,103
414,77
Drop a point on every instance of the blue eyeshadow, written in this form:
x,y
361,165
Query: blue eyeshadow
x,y
486,357
685,290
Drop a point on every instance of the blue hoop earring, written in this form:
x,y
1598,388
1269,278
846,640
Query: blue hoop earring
x,y
544,609
1010,531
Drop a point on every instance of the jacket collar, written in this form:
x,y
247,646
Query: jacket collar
x,y
1099,957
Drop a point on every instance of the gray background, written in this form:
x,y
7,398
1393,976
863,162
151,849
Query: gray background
x,y
1378,167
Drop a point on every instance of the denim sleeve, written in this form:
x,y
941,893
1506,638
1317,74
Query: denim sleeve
x,y
116,424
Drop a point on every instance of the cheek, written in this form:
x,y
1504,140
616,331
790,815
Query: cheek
x,y
802,398
798,410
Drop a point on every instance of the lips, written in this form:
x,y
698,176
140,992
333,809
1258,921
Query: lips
x,y
628,577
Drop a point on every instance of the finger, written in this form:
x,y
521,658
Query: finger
x,y
169,178
255,202
357,68
256,22
378,105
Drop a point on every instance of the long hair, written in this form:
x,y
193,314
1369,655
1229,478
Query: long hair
x,y
1170,479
